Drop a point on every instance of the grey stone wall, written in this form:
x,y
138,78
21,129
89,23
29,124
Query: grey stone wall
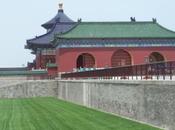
x,y
25,89
148,101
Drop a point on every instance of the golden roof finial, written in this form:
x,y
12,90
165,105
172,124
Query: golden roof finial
x,y
60,6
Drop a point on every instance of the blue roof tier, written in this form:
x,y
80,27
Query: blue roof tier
x,y
61,17
45,40
61,23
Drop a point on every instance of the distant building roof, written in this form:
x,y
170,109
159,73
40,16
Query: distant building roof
x,y
14,69
23,73
20,71
118,30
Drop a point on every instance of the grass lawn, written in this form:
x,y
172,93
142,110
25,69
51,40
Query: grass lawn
x,y
53,114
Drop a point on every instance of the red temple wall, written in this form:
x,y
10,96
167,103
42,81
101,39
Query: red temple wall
x,y
67,57
52,71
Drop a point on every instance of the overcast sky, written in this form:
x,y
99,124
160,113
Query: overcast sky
x,y
21,19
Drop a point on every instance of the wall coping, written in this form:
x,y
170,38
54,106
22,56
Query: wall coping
x,y
135,82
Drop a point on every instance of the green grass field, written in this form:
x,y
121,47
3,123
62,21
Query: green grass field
x,y
53,114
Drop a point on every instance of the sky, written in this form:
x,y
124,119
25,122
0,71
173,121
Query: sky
x,y
21,20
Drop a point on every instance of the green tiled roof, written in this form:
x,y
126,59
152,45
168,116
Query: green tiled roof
x,y
118,30
23,73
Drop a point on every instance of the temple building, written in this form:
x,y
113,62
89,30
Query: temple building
x,y
68,45
42,47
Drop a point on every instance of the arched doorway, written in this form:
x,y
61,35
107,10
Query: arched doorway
x,y
121,58
85,60
156,57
